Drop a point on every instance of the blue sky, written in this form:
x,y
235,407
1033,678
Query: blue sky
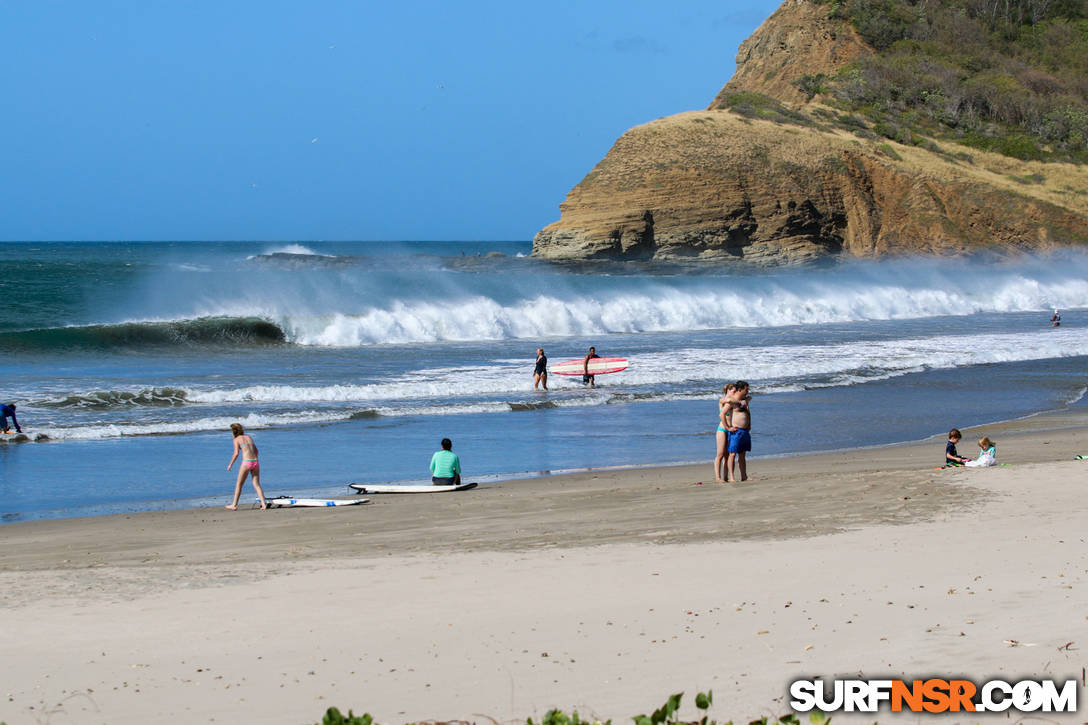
x,y
403,120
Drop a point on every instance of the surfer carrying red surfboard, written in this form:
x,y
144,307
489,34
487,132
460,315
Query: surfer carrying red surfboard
x,y
588,379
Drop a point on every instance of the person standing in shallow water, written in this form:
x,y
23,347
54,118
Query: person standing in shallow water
x,y
250,466
540,372
588,379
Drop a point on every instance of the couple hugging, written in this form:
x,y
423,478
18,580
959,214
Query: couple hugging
x,y
733,435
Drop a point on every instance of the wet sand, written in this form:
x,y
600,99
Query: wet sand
x,y
604,591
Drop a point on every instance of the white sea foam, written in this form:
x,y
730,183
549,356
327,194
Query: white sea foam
x,y
254,421
355,307
685,374
676,304
777,366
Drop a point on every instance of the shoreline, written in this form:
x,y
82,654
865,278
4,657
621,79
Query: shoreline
x,y
1045,420
510,599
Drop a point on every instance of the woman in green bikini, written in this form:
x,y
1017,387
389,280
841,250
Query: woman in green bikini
x,y
250,465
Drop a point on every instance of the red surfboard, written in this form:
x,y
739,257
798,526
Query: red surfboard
x,y
597,366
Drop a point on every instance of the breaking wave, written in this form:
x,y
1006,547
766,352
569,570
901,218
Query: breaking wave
x,y
331,306
208,331
111,399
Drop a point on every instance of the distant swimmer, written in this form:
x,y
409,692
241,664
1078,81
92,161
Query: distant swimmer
x,y
446,466
1056,319
250,466
8,411
588,379
540,372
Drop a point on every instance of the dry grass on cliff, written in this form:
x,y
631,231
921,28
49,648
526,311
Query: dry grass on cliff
x,y
698,142
1061,184
714,140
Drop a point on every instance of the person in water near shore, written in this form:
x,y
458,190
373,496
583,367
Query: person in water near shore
x,y
250,466
1056,319
588,379
540,372
8,411
740,436
951,456
445,466
721,436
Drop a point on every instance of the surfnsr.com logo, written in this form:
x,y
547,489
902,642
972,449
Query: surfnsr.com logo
x,y
933,695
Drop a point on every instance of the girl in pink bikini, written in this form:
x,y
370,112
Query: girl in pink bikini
x,y
250,466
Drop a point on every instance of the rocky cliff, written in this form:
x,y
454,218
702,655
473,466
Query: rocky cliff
x,y
771,185
798,39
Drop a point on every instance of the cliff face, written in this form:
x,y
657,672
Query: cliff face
x,y
798,39
722,186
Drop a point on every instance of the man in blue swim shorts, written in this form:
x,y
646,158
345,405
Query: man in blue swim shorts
x,y
740,436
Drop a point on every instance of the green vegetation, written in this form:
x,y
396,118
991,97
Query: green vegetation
x,y
333,717
1009,76
810,85
888,151
667,714
757,105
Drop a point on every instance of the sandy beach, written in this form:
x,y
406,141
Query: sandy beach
x,y
602,591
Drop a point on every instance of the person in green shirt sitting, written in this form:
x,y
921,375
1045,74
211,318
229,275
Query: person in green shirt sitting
x,y
446,466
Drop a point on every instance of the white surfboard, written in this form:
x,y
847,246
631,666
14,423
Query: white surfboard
x,y
393,488
314,502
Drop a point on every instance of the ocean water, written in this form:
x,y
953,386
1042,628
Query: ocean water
x,y
348,362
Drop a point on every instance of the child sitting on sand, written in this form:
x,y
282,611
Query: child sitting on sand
x,y
987,454
951,457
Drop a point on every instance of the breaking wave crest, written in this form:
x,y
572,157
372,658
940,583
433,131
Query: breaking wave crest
x,y
207,331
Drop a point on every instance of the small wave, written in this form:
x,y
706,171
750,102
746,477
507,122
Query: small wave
x,y
284,260
299,249
368,414
254,421
297,256
109,399
186,267
200,331
540,405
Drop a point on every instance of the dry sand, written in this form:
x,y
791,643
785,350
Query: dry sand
x,y
604,591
